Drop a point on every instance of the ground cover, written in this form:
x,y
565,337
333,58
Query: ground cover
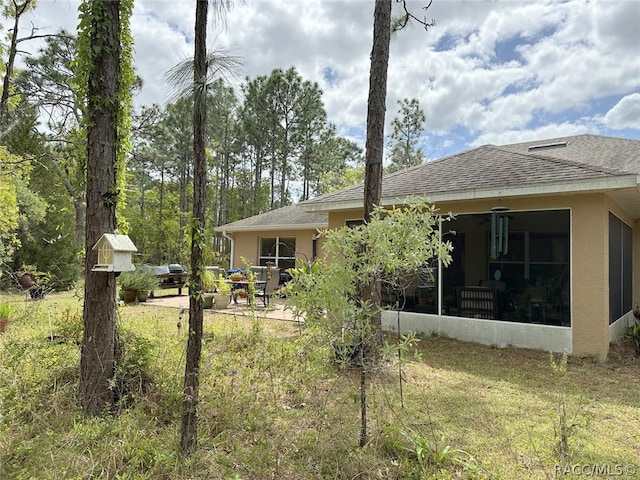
x,y
274,406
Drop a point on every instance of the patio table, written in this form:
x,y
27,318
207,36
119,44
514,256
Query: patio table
x,y
259,286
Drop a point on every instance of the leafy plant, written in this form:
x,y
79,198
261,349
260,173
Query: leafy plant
x,y
341,294
6,310
209,282
138,279
69,325
633,332
564,430
222,286
428,455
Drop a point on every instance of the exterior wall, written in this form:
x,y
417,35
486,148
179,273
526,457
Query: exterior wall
x,y
246,244
590,276
589,263
486,332
636,263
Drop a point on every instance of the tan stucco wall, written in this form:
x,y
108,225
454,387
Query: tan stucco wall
x,y
590,276
636,263
589,258
246,244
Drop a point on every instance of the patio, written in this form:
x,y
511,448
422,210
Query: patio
x,y
275,311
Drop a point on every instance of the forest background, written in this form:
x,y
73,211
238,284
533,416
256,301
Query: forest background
x,y
268,147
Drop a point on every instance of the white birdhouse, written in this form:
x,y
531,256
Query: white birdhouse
x,y
114,253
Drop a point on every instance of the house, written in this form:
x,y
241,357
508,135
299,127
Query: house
x,y
546,244
278,237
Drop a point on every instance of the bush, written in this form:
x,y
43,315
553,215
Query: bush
x,y
138,279
6,310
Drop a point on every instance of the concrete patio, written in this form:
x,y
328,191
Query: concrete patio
x,y
276,309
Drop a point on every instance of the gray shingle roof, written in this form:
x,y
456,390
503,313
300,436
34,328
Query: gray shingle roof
x,y
290,217
568,159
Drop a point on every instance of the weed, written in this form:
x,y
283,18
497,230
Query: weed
x,y
428,457
564,429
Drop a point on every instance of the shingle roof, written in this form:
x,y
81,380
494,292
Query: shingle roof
x,y
583,157
290,217
615,153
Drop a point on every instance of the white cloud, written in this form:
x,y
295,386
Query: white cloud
x,y
487,71
625,113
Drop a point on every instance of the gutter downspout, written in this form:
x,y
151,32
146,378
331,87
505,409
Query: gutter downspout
x,y
229,236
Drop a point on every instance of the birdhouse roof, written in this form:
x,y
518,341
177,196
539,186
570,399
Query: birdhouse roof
x,y
119,243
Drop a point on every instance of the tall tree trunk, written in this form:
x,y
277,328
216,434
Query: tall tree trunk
x,y
189,435
13,51
98,344
376,106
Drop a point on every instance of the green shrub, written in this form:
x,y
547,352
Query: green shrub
x,y
138,279
6,310
133,361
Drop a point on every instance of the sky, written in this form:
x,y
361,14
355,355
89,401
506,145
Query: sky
x,y
488,72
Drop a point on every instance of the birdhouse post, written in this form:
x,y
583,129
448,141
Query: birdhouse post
x,y
114,253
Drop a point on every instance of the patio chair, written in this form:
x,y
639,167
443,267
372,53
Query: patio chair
x,y
260,273
270,287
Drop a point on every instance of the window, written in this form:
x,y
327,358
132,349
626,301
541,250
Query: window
x,y
279,250
354,223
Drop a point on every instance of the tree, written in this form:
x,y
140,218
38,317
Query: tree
x,y
189,427
284,118
376,107
106,75
47,83
191,390
11,168
13,10
343,166
45,221
407,129
392,243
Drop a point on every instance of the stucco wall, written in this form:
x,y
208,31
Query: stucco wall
x,y
246,244
590,276
636,263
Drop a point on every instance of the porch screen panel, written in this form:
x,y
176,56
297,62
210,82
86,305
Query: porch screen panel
x,y
620,268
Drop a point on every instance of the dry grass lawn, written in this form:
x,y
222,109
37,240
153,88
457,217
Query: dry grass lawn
x,y
273,405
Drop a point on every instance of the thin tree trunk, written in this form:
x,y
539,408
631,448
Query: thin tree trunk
x,y
98,344
13,51
189,435
376,106
364,437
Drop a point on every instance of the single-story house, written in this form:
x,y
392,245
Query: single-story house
x,y
546,242
278,237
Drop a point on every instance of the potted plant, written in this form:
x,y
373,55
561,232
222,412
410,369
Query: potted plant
x,y
6,311
137,284
237,277
147,282
208,287
223,292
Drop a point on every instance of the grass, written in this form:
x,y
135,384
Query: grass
x,y
273,406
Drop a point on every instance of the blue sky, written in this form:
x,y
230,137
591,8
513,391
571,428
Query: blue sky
x,y
489,71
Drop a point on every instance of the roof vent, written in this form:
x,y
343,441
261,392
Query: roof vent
x,y
547,146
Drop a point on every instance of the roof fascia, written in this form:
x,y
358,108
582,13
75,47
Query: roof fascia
x,y
551,188
262,228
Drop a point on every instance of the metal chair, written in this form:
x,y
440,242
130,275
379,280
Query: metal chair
x,y
273,280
